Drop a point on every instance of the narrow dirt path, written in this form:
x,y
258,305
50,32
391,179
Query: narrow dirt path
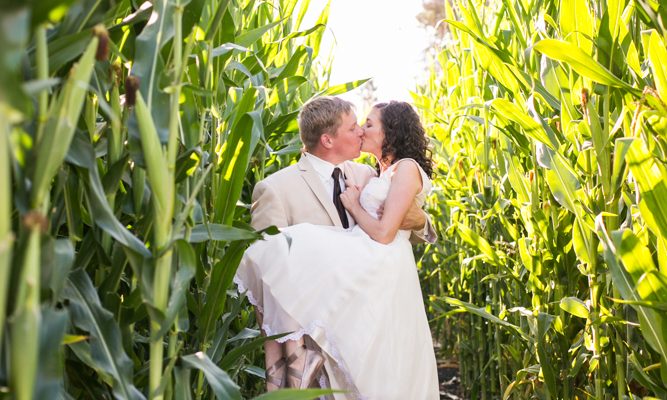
x,y
450,381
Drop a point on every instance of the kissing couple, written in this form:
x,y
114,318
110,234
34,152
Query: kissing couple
x,y
341,278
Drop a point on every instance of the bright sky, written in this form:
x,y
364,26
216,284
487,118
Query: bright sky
x,y
376,39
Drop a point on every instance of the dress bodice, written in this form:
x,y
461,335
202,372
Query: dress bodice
x,y
375,192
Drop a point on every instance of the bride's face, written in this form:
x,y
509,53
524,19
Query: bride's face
x,y
373,133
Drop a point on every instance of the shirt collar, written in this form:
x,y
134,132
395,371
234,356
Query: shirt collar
x,y
322,167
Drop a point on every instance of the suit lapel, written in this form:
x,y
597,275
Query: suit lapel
x,y
313,181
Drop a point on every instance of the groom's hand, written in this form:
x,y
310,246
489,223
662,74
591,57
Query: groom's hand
x,y
414,220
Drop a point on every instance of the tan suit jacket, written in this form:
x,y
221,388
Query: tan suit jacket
x,y
296,195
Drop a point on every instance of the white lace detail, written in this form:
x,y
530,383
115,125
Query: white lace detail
x,y
308,331
242,289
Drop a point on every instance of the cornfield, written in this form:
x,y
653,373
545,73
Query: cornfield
x,y
549,121
132,134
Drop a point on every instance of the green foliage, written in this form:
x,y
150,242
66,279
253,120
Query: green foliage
x,y
129,142
549,125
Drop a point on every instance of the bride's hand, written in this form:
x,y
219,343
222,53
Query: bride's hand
x,y
350,197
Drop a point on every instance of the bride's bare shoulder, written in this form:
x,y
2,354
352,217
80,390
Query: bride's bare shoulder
x,y
407,170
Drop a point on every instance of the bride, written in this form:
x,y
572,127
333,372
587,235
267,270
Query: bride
x,y
355,292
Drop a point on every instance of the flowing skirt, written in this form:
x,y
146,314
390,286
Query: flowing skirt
x,y
359,300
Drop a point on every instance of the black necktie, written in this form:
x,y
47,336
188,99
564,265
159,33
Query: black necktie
x,y
336,198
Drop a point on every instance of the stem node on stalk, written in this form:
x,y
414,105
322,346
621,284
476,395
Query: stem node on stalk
x,y
102,34
131,87
35,219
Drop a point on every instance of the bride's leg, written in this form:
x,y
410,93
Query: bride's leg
x,y
303,364
274,357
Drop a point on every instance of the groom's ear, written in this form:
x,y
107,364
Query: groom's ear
x,y
326,141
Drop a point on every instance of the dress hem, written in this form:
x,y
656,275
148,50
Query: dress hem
x,y
307,331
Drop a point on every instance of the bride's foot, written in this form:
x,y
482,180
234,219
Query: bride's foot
x,y
303,365
275,375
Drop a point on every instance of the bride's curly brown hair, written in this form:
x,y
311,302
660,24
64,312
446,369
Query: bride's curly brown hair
x,y
404,135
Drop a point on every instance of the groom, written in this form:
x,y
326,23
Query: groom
x,y
308,191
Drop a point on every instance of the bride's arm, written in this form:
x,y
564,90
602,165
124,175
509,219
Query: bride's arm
x,y
405,184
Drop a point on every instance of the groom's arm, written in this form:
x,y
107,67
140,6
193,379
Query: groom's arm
x,y
419,222
426,233
267,208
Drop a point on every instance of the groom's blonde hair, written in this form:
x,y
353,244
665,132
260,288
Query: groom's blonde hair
x,y
319,116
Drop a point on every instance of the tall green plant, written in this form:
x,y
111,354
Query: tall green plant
x,y
548,197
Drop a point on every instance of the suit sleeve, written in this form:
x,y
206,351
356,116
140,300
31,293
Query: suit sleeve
x,y
427,234
267,208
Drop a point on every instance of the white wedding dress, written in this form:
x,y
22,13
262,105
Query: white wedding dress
x,y
358,299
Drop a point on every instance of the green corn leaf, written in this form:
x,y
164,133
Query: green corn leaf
x,y
217,19
148,65
657,54
515,20
472,238
58,258
51,334
652,286
544,322
615,12
217,232
644,378
187,266
635,256
560,177
249,37
652,187
581,62
576,23
82,154
517,179
295,62
64,49
233,355
307,32
342,88
105,352
623,245
481,312
303,9
619,169
315,39
235,158
574,306
16,27
223,386
221,278
61,124
494,65
658,306
221,331
583,243
511,112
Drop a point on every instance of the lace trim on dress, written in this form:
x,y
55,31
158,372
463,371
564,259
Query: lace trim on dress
x,y
242,289
308,331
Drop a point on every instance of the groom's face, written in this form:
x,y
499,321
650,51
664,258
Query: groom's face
x,y
349,138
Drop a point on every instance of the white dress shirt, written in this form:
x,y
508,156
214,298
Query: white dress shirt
x,y
325,169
